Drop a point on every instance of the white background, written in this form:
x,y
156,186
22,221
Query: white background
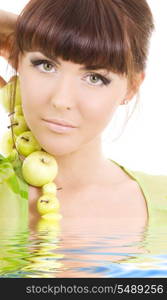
x,y
143,144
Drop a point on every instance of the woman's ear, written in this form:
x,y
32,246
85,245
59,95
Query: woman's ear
x,y
135,85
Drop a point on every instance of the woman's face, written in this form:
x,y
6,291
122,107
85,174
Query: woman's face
x,y
49,89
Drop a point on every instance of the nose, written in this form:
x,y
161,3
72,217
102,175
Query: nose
x,y
63,94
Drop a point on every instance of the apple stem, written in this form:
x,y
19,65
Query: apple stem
x,y
14,124
46,201
23,138
11,114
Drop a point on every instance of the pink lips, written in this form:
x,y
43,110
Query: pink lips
x,y
59,126
60,122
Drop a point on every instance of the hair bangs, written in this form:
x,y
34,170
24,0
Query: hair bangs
x,y
59,29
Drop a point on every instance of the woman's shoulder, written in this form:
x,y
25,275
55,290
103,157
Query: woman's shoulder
x,y
154,187
155,183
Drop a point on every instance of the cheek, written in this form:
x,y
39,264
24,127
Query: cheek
x,y
98,112
30,105
32,96
29,93
102,108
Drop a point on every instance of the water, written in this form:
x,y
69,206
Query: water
x,y
50,252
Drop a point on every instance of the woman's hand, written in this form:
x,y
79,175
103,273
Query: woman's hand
x,y
7,26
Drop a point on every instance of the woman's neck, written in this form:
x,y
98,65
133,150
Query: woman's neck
x,y
82,167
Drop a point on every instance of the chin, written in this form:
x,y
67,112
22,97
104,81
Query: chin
x,y
59,150
58,145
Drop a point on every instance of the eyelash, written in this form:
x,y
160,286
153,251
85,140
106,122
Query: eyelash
x,y
38,62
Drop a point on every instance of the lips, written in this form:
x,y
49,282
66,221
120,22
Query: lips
x,y
60,122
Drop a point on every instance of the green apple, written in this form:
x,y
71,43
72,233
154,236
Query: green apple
x,y
5,97
18,93
50,188
19,125
18,110
47,203
6,143
6,93
39,168
26,143
52,216
13,155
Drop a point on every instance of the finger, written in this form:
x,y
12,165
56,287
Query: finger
x,y
6,49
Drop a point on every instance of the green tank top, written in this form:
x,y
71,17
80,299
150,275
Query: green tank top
x,y
154,189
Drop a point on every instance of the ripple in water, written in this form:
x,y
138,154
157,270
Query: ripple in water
x,y
51,253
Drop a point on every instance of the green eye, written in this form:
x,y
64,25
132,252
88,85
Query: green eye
x,y
94,78
43,65
98,80
47,66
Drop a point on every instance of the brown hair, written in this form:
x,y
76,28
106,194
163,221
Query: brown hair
x,y
110,34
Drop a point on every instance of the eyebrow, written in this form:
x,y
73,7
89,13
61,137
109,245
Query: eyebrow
x,y
84,68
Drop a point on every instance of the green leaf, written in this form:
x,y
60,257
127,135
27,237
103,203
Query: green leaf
x,y
13,190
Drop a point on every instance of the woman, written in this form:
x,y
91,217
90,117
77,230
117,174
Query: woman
x,y
78,61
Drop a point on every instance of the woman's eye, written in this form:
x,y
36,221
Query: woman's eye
x,y
97,79
43,65
47,66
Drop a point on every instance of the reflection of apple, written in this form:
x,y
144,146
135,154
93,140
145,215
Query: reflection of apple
x,y
6,92
6,143
47,203
26,143
50,229
52,216
19,125
50,188
39,168
48,225
43,264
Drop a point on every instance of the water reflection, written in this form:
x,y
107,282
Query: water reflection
x,y
51,250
